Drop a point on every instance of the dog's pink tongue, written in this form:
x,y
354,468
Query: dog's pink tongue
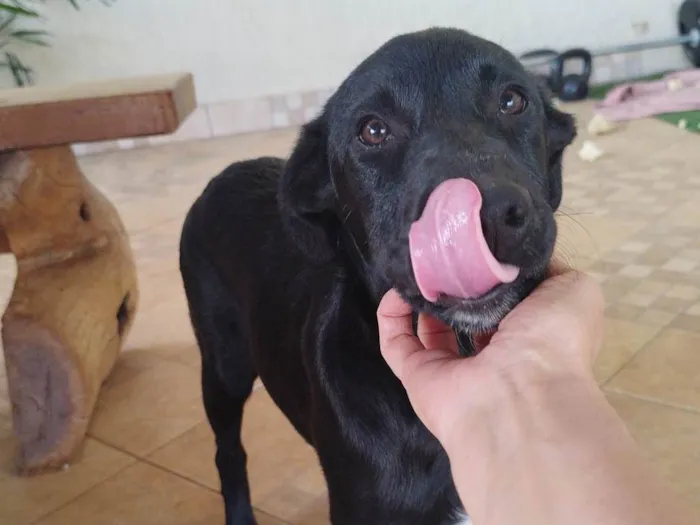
x,y
448,249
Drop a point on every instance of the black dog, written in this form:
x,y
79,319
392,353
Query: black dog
x,y
284,263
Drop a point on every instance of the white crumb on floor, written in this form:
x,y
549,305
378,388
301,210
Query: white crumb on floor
x,y
599,125
589,151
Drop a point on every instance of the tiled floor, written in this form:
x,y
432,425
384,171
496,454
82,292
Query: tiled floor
x,y
632,218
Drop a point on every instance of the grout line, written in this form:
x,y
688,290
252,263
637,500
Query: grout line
x,y
643,348
168,470
617,372
655,401
160,447
131,464
151,463
179,475
92,487
272,516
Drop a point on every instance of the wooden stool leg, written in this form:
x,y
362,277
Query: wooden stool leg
x,y
73,302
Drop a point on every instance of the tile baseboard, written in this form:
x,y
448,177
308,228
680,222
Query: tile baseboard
x,y
233,117
221,119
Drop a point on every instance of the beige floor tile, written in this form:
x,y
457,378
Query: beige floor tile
x,y
265,430
160,332
141,213
597,235
621,290
192,456
285,478
159,285
265,519
296,506
156,248
148,407
669,437
622,340
574,245
667,370
315,514
691,323
654,317
23,500
5,409
5,405
686,214
142,495
624,312
288,484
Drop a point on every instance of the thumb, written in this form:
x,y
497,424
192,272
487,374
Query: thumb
x,y
396,338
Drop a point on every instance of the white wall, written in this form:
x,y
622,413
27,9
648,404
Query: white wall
x,y
241,49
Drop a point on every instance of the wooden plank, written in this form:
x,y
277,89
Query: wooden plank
x,y
38,116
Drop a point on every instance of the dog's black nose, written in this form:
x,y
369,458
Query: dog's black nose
x,y
505,214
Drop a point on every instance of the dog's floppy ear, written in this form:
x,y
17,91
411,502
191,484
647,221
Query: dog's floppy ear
x,y
560,130
306,194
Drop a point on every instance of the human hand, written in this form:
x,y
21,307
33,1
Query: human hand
x,y
555,332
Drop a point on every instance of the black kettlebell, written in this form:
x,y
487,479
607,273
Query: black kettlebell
x,y
541,57
572,86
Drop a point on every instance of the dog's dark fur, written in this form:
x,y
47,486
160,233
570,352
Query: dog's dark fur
x,y
284,264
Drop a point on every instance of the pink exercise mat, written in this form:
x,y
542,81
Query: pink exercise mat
x,y
637,100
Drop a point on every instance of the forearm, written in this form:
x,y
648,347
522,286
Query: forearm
x,y
557,452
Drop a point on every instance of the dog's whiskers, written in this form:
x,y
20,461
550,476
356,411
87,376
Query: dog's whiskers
x,y
574,214
577,222
360,252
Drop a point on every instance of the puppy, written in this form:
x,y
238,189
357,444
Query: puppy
x,y
434,169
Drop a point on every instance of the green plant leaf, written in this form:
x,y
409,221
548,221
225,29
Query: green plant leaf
x,y
22,74
20,3
35,41
18,10
7,22
31,36
21,33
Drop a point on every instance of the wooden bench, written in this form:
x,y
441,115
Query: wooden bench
x,y
76,291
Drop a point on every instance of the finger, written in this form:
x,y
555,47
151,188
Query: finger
x,y
396,338
435,334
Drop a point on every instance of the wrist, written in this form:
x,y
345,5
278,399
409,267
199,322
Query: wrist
x,y
515,393
519,419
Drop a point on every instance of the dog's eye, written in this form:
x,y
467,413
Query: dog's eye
x,y
512,102
374,132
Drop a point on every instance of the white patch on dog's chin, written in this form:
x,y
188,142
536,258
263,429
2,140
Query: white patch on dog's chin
x,y
463,519
469,321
